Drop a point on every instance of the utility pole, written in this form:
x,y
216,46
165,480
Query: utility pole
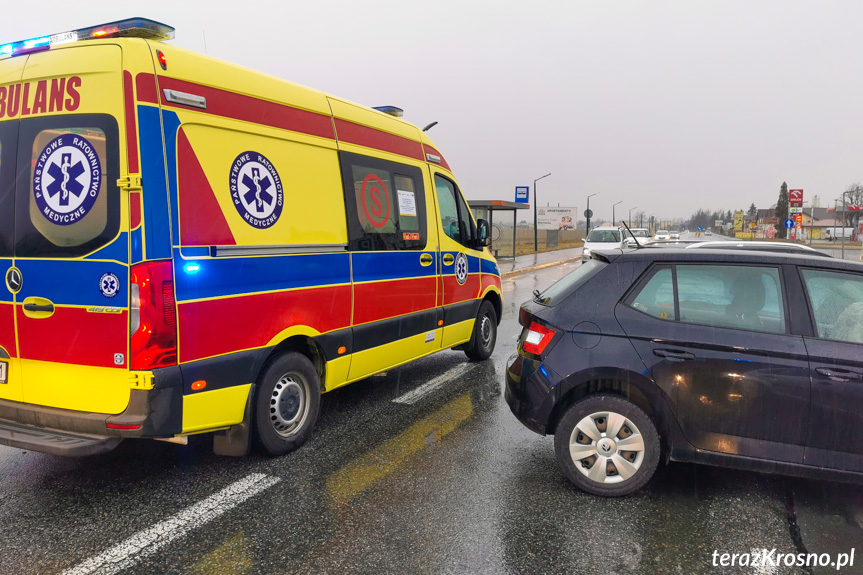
x,y
587,211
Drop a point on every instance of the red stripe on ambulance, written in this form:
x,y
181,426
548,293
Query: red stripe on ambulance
x,y
454,292
382,300
429,150
250,109
131,124
7,328
73,335
204,224
217,327
378,139
145,85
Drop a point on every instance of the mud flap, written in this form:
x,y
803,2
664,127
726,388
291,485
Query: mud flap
x,y
236,441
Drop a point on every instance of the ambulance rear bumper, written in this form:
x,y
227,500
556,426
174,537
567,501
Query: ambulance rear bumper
x,y
150,413
53,441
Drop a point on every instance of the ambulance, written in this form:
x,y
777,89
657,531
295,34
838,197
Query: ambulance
x,y
193,247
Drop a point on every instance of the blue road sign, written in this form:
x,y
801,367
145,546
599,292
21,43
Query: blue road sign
x,y
789,223
699,228
522,194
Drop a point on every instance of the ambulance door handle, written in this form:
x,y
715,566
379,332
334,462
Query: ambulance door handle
x,y
426,260
38,307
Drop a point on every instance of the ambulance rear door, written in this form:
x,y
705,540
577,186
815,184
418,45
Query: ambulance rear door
x,y
10,377
70,240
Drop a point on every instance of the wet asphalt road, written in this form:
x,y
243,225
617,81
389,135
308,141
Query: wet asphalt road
x,y
449,484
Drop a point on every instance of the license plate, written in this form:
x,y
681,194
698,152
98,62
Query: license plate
x,y
4,370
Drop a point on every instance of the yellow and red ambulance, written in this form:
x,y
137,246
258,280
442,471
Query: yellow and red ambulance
x,y
190,246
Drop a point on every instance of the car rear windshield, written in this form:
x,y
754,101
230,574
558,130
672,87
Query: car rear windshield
x,y
603,236
566,285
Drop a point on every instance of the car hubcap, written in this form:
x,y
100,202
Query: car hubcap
x,y
606,447
289,404
485,331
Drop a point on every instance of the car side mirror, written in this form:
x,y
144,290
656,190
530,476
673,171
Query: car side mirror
x,y
483,234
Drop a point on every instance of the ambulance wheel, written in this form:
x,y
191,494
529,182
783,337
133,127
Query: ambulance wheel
x,y
484,333
287,406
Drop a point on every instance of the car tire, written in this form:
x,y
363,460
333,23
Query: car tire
x,y
580,448
287,404
484,333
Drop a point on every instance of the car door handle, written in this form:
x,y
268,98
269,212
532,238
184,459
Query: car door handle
x,y
38,307
839,374
426,260
673,355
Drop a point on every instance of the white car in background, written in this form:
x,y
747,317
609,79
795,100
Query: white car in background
x,y
662,235
640,234
602,238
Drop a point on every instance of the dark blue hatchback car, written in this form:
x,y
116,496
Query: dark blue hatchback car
x,y
743,359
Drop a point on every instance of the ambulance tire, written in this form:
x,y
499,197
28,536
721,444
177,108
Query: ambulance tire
x,y
484,333
287,405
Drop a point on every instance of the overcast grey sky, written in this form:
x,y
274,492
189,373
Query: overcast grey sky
x,y
669,106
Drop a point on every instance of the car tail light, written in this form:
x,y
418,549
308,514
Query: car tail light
x,y
537,338
153,316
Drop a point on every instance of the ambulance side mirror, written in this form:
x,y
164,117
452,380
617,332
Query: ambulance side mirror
x,y
483,234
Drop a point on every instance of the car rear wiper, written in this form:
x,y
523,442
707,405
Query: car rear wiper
x,y
536,294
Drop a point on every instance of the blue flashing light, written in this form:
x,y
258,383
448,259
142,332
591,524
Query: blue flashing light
x,y
192,268
129,28
543,371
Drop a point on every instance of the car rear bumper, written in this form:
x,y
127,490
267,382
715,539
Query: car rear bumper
x,y
530,392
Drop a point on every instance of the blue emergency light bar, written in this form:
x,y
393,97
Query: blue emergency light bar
x,y
129,28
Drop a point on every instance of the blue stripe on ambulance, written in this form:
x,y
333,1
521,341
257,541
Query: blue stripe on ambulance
x,y
155,195
473,262
137,245
489,267
118,250
377,266
171,126
45,278
219,277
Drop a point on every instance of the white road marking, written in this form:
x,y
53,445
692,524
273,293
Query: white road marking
x,y
147,542
417,394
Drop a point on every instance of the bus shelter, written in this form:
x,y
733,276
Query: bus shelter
x,y
502,218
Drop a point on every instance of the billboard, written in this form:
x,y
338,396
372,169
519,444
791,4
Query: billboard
x,y
556,218
738,221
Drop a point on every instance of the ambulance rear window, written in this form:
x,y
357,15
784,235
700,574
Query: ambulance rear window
x,y
67,200
385,203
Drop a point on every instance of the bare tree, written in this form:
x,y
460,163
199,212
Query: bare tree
x,y
853,197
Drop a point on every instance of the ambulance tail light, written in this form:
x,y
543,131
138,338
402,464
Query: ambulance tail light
x,y
153,316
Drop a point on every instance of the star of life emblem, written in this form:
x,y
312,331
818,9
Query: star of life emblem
x,y
109,285
66,179
461,268
256,190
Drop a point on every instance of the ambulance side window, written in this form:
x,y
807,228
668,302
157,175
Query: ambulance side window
x,y
385,204
454,213
67,200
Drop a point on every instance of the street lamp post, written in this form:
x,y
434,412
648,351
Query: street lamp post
x,y
587,231
612,212
630,215
535,202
